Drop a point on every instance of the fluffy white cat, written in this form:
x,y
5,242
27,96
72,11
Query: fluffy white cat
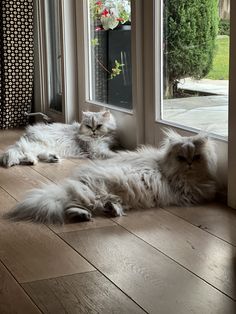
x,y
181,172
93,137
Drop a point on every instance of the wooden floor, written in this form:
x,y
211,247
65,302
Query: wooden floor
x,y
170,260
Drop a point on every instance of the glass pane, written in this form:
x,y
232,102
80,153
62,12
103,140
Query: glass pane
x,y
196,64
110,52
54,54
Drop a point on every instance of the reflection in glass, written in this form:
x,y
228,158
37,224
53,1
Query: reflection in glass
x,y
110,52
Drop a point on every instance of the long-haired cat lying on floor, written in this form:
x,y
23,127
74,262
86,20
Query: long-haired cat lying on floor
x,y
181,172
93,137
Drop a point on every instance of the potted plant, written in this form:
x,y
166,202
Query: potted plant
x,y
109,14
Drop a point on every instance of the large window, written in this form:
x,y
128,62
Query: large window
x,y
110,74
196,64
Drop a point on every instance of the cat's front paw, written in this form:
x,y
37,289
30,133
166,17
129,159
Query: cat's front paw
x,y
78,213
115,209
53,158
46,157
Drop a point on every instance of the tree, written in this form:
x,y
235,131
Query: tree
x,y
190,30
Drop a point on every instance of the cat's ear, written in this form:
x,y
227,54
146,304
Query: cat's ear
x,y
171,135
106,114
85,114
200,139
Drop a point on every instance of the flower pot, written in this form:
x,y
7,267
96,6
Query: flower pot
x,y
119,48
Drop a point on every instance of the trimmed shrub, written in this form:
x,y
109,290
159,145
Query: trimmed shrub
x,y
190,30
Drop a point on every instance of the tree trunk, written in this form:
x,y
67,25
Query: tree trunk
x,y
224,9
170,88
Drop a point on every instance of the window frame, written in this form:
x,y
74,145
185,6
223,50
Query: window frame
x,y
127,119
232,111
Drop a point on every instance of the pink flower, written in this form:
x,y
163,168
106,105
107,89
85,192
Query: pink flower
x,y
105,12
98,28
99,3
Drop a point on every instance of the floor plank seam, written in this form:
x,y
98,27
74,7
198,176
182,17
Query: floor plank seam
x,y
48,177
32,167
26,293
214,235
176,262
97,269
74,162
57,233
9,194
62,276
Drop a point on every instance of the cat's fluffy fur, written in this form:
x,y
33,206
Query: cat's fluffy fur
x,y
93,137
181,172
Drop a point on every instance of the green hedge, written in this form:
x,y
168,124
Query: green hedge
x,y
190,30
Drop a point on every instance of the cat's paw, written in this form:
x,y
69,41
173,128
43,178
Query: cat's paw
x,y
53,158
78,213
46,157
115,209
29,160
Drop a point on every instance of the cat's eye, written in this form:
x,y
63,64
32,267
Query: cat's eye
x,y
196,157
88,126
99,126
181,158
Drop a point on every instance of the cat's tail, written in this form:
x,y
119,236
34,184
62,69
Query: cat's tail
x,y
51,204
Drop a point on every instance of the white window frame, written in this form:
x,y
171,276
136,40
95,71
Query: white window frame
x,y
232,111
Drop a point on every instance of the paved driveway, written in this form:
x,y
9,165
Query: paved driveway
x,y
202,112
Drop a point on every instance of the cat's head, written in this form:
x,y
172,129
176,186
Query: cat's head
x,y
97,124
189,156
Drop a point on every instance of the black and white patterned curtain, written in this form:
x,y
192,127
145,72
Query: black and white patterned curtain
x,y
16,62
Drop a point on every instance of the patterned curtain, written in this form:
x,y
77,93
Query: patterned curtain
x,y
16,62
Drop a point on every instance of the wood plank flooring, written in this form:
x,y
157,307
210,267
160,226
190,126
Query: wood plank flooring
x,y
80,293
171,260
198,251
13,299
